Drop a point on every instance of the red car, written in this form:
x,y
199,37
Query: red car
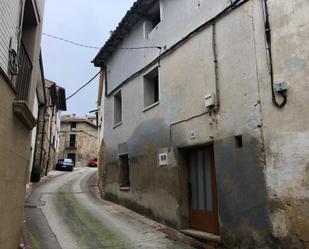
x,y
93,163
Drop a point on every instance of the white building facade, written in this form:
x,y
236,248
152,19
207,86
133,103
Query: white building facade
x,y
206,120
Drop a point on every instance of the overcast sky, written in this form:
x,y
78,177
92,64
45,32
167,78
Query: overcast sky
x,y
83,21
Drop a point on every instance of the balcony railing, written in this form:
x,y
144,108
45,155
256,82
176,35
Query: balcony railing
x,y
24,74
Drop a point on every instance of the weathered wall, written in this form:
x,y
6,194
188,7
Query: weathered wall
x,y
193,14
40,151
257,191
286,131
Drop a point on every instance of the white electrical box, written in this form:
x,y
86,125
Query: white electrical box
x,y
210,100
192,135
163,159
281,86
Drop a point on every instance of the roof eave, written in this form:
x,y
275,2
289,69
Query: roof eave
x,y
124,27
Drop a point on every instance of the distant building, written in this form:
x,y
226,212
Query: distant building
x,y
78,139
206,118
48,130
21,94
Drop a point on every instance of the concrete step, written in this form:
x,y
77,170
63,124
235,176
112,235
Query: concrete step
x,y
202,235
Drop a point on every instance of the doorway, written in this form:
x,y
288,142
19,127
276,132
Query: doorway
x,y
203,210
73,157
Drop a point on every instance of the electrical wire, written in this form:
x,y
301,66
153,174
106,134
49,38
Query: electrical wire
x,y
68,41
83,86
271,70
157,47
97,48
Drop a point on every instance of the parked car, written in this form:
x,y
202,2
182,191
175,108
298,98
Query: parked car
x,y
66,164
93,163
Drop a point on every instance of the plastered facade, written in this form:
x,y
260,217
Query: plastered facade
x,y
263,187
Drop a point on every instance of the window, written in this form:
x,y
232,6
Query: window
x,y
73,126
153,18
238,141
117,108
72,140
151,88
124,173
155,15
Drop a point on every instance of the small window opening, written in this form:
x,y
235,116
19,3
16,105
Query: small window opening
x,y
73,126
238,141
155,15
117,108
72,140
153,18
124,173
151,88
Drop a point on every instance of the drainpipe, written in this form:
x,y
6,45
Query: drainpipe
x,y
215,55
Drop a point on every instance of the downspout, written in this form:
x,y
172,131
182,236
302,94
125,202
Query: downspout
x,y
215,55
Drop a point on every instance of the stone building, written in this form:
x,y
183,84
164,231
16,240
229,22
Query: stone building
x,y
48,130
21,93
78,139
100,141
206,119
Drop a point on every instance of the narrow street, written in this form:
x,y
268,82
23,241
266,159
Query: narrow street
x,y
64,214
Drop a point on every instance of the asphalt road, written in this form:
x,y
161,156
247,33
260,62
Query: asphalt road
x,y
64,214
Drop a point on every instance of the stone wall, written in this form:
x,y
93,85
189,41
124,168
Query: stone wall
x,y
86,142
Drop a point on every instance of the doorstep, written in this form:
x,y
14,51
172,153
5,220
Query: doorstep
x,y
202,235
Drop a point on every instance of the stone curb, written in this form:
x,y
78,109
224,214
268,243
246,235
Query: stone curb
x,y
170,233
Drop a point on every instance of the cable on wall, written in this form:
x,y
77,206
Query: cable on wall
x,y
271,70
215,55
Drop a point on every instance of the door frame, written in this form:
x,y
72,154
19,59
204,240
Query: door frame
x,y
209,147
